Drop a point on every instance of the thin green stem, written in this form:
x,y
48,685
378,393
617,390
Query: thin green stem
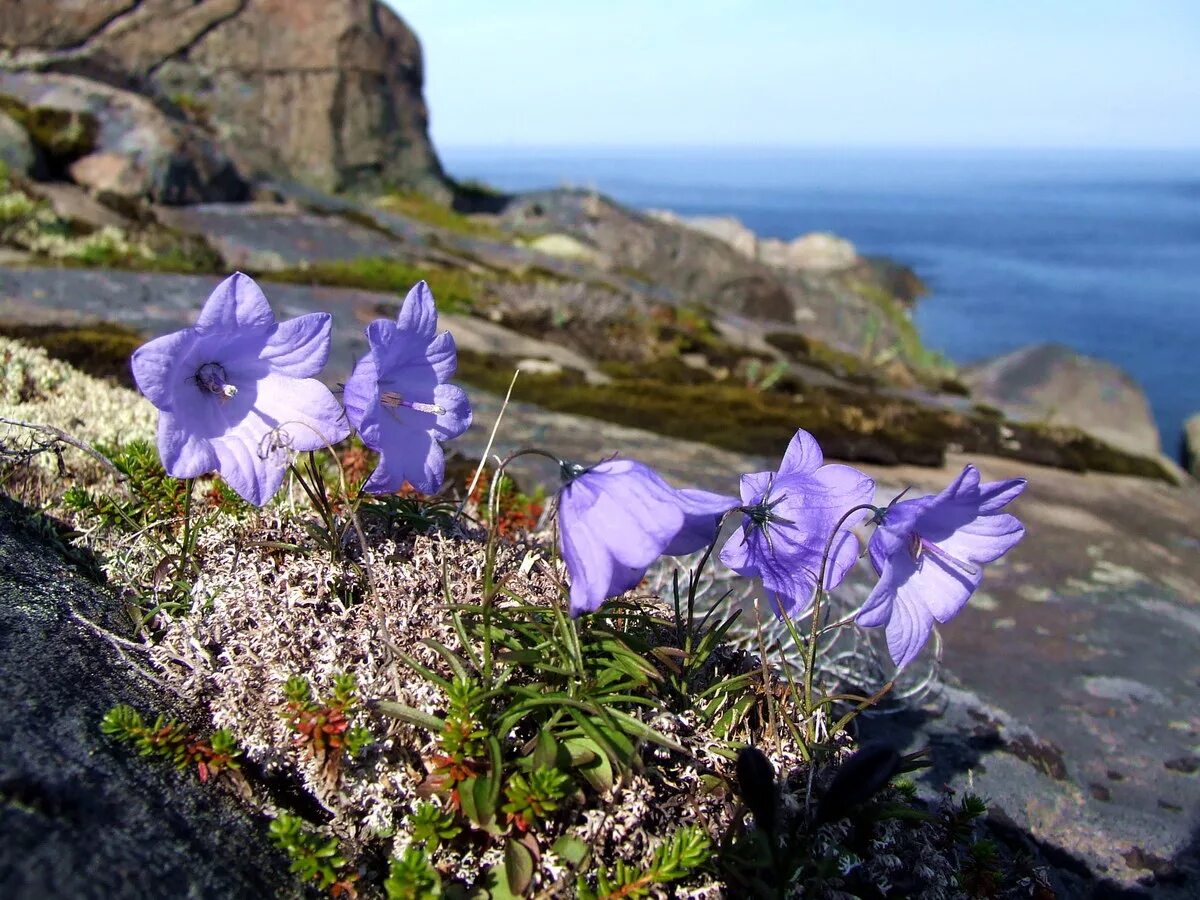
x,y
185,549
811,655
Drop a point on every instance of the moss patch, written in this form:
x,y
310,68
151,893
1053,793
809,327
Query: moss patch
x,y
423,209
850,425
820,355
99,349
456,291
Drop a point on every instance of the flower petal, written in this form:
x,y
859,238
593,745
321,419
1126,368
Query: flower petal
x,y
418,459
803,455
588,562
299,347
184,454
995,495
156,369
442,355
303,409
253,470
701,512
360,396
457,416
908,629
237,302
418,314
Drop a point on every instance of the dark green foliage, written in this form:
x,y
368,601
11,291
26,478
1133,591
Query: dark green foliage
x,y
533,798
170,739
411,876
315,859
432,826
678,857
858,779
153,497
323,726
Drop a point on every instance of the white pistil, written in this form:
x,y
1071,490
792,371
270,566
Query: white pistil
x,y
919,546
393,400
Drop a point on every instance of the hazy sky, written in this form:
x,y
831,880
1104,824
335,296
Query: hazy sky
x,y
963,73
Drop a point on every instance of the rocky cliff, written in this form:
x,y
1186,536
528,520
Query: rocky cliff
x,y
328,92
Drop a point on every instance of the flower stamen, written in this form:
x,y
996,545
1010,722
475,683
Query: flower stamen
x,y
211,377
919,546
393,400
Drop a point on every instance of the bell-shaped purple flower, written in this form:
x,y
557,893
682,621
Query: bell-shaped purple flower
x,y
789,518
929,553
617,517
237,392
398,399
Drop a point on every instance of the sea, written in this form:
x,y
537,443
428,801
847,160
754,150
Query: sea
x,y
1097,250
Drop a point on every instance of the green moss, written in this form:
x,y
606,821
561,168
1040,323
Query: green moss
x,y
100,349
62,133
820,355
851,425
456,291
423,209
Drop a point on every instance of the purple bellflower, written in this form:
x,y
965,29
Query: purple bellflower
x,y
237,391
617,517
789,518
398,399
929,554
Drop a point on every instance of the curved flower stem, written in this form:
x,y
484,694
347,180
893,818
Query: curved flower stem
x,y
815,634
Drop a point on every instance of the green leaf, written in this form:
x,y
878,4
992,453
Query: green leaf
x,y
592,763
518,866
572,849
412,716
545,753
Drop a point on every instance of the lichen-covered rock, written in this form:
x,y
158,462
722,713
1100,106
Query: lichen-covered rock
x,y
1053,384
81,815
17,153
325,91
118,142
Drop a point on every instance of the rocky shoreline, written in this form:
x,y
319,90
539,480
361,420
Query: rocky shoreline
x,y
144,153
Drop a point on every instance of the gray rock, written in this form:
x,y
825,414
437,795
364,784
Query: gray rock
x,y
1191,445
120,142
82,816
265,237
325,91
73,204
1053,384
17,151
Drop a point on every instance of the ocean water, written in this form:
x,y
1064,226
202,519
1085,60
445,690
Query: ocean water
x,y
1096,250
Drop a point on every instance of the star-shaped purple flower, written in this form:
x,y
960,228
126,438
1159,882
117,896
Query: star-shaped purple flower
x,y
929,554
398,399
617,517
237,392
789,518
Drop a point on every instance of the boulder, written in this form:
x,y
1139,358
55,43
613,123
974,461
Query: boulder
x,y
17,152
1191,445
1053,384
83,816
118,142
816,252
325,91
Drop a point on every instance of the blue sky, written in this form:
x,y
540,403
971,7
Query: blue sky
x,y
922,73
